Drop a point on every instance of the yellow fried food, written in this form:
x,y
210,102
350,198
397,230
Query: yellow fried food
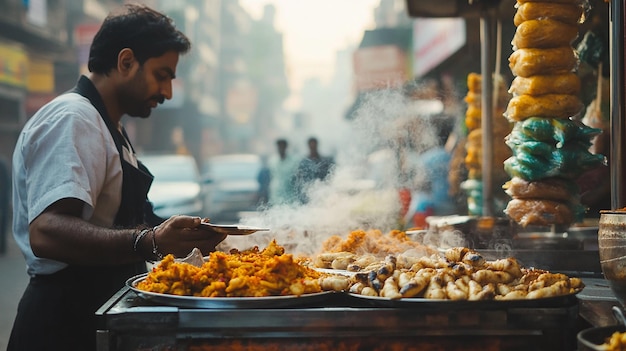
x,y
474,82
251,273
539,212
473,117
567,83
473,99
616,342
529,62
547,188
571,2
544,33
374,242
462,274
565,12
549,106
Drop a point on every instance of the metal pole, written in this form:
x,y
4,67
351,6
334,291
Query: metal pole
x,y
486,67
618,139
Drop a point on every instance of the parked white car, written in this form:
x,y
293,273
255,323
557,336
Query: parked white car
x,y
231,185
176,188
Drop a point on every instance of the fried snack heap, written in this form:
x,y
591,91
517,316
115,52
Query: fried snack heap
x,y
373,242
473,145
550,148
250,273
463,274
617,342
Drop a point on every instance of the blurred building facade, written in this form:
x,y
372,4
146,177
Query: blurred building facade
x,y
226,92
38,56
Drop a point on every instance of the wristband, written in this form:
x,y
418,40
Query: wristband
x,y
138,237
155,248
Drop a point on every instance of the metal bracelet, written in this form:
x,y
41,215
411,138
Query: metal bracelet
x,y
155,248
138,238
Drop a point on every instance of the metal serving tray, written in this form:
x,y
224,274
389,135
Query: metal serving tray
x,y
328,296
226,302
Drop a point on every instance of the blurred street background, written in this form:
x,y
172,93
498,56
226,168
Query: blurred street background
x,y
369,79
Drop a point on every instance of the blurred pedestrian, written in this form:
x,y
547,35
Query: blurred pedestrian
x,y
430,193
263,178
81,212
311,168
282,167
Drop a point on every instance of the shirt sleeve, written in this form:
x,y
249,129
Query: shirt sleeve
x,y
64,159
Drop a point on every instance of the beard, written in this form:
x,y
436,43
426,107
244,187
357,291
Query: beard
x,y
133,100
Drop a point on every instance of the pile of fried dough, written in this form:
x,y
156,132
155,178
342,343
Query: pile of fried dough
x,y
546,103
250,273
616,342
462,274
458,274
364,263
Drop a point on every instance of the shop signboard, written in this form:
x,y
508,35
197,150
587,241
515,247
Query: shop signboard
x,y
40,84
434,40
83,36
13,65
40,76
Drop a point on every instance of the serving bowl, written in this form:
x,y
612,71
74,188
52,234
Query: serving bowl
x,y
592,339
612,251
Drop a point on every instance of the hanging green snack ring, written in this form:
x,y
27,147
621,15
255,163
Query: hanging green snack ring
x,y
516,168
567,129
554,129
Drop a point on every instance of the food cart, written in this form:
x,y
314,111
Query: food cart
x,y
343,321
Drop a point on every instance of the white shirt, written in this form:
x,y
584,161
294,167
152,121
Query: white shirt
x,y
281,173
64,151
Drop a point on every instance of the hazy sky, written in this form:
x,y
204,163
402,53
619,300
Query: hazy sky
x,y
314,30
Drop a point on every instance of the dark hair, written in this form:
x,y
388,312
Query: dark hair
x,y
444,126
145,31
281,142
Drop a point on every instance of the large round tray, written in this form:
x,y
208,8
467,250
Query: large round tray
x,y
420,302
227,302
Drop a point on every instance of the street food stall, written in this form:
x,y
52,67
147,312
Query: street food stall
x,y
544,313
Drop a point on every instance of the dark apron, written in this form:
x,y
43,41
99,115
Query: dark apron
x,y
57,311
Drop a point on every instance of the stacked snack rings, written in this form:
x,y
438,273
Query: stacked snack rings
x,y
473,146
550,147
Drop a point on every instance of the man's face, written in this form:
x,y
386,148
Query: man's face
x,y
150,85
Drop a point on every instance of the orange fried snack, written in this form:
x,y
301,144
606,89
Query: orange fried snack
x,y
567,83
530,61
549,106
555,189
563,12
544,33
616,342
250,273
571,2
374,242
539,212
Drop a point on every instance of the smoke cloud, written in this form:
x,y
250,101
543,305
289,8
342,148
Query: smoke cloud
x,y
362,191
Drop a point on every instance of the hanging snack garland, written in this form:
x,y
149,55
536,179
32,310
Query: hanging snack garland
x,y
550,146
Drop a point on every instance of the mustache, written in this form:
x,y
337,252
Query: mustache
x,y
158,98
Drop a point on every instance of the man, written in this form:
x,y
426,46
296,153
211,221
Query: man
x,y
81,215
313,167
428,170
282,168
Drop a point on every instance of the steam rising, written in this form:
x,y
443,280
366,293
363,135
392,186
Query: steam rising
x,y
362,191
